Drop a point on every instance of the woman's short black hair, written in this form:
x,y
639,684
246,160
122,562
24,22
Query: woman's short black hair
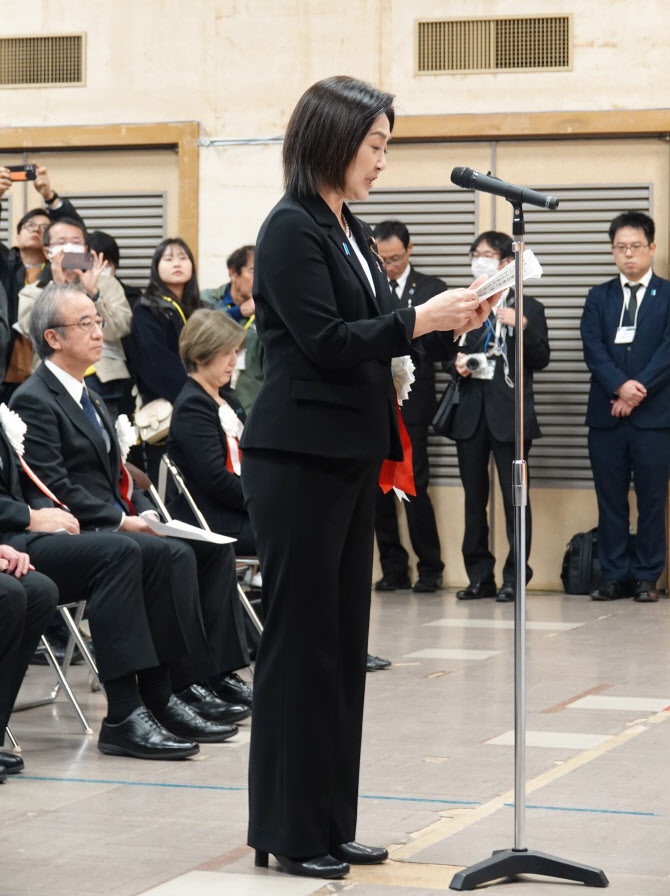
x,y
325,131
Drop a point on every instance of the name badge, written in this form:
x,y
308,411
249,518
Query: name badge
x,y
624,335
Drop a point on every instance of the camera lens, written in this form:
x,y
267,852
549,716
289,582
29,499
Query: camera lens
x,y
472,363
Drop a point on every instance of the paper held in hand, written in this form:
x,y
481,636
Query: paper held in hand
x,y
178,529
504,278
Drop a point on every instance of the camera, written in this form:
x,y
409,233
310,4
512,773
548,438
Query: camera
x,y
22,172
476,361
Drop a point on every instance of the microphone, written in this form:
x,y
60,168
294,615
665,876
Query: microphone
x,y
473,180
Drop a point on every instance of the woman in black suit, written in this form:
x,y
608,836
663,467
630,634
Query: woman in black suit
x,y
324,420
206,425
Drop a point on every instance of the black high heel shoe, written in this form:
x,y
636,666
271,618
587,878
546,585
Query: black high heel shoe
x,y
317,866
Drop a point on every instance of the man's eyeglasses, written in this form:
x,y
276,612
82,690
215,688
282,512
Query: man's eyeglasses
x,y
86,324
476,254
64,241
635,248
33,227
394,259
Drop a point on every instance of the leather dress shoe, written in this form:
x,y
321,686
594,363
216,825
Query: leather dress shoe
x,y
208,706
610,590
232,688
3,774
11,763
39,658
507,594
645,593
393,583
178,718
142,737
357,854
317,866
376,662
475,590
427,584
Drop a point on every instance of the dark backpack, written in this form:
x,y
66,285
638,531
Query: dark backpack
x,y
581,572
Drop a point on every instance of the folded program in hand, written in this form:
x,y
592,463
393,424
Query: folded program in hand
x,y
504,278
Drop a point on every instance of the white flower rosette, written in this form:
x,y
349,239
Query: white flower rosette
x,y
403,376
126,435
232,427
14,427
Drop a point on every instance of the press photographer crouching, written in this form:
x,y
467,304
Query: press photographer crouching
x,y
483,420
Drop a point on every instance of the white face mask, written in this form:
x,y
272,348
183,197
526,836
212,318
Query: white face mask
x,y
483,265
66,247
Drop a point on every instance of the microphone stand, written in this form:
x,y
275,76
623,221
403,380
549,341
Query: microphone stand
x,y
508,863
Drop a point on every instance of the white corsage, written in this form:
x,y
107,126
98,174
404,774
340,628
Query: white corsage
x,y
126,435
403,376
232,427
14,427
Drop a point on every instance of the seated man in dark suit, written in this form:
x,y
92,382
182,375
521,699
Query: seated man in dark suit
x,y
483,423
27,600
626,334
139,623
410,287
72,444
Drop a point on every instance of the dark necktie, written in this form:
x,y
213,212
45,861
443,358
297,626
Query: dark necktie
x,y
632,302
394,289
89,410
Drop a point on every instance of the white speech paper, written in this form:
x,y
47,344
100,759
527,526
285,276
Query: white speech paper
x,y
179,529
503,279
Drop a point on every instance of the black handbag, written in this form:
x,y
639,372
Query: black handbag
x,y
447,408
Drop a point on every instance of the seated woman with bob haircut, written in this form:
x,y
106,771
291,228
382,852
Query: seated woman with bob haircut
x,y
207,422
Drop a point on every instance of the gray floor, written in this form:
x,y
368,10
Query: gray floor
x,y
437,772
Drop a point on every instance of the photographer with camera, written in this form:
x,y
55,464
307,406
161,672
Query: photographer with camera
x,y
483,422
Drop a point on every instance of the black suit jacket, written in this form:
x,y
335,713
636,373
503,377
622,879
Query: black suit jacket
x,y
418,409
197,445
17,495
68,452
646,359
328,339
494,397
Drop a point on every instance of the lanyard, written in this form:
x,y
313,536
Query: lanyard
x,y
176,305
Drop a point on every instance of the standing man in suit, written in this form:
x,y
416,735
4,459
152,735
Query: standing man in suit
x,y
72,445
410,288
626,334
483,423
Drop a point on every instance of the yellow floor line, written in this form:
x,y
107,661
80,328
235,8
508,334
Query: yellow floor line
x,y
440,830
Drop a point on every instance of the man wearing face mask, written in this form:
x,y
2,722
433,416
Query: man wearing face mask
x,y
409,287
483,423
108,376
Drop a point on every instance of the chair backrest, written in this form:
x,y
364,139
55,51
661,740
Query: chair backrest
x,y
178,480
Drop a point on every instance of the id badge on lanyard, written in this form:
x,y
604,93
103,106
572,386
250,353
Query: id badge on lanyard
x,y
625,335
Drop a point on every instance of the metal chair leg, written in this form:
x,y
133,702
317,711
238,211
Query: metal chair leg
x,y
14,741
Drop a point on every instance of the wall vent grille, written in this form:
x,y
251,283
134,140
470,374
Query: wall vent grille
x,y
531,43
56,60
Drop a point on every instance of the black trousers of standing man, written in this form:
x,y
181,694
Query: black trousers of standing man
x,y
314,518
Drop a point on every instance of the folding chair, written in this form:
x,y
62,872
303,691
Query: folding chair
x,y
61,671
169,467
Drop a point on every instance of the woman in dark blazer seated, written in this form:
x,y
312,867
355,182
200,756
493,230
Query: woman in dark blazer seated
x,y
206,425
324,420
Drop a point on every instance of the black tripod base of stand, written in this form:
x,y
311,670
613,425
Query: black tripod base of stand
x,y
512,862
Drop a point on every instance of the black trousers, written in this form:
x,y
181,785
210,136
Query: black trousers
x,y
420,520
26,605
125,585
616,454
473,464
314,522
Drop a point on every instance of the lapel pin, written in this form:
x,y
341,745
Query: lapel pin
x,y
346,248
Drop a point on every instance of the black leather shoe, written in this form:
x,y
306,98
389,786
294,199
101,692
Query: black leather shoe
x,y
178,718
39,658
611,590
317,866
507,594
357,854
232,688
11,763
210,707
142,737
475,590
427,584
3,774
393,583
645,593
376,662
